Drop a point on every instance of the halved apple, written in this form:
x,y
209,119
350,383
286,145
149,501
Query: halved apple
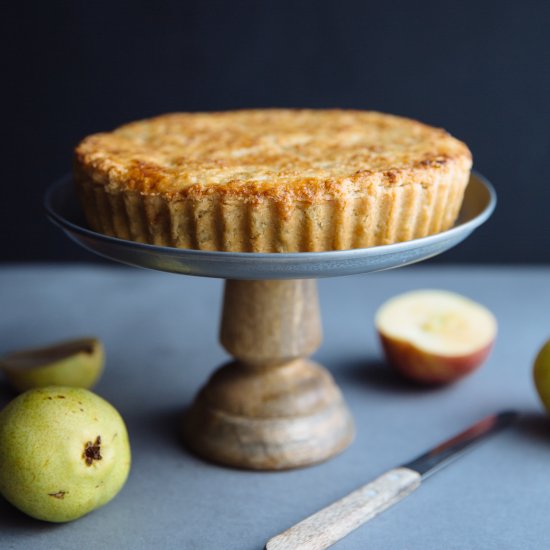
x,y
435,336
75,363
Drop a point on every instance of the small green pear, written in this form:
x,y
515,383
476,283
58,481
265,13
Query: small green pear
x,y
77,363
63,453
541,374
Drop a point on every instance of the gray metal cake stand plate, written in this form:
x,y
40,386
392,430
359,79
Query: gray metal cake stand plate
x,y
64,211
272,408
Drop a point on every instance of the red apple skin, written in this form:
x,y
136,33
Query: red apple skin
x,y
428,368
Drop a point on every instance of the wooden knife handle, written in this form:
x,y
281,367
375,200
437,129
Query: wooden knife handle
x,y
334,522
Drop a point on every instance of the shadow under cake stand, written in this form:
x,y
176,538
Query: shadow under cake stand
x,y
271,408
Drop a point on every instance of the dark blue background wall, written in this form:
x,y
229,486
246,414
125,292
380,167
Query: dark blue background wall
x,y
481,69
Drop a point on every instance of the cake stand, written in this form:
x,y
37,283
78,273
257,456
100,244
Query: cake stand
x,y
271,408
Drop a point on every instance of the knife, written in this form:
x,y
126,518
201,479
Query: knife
x,y
334,522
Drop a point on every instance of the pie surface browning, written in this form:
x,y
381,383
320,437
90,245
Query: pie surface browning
x,y
272,180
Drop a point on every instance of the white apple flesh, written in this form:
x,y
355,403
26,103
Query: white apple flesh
x,y
435,336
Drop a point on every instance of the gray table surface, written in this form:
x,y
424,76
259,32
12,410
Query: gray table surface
x,y
160,332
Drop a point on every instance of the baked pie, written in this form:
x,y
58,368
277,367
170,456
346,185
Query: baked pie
x,y
272,180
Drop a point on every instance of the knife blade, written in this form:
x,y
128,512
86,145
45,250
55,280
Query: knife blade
x,y
329,525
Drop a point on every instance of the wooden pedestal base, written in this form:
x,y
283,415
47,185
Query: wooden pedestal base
x,y
272,408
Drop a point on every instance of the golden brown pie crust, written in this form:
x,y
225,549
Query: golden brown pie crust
x,y
272,180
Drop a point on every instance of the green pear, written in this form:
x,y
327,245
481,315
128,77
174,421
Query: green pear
x,y
63,452
78,363
541,374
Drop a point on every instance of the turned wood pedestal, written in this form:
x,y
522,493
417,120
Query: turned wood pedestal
x,y
271,408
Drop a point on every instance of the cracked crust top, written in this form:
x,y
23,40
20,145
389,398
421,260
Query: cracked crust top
x,y
285,154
